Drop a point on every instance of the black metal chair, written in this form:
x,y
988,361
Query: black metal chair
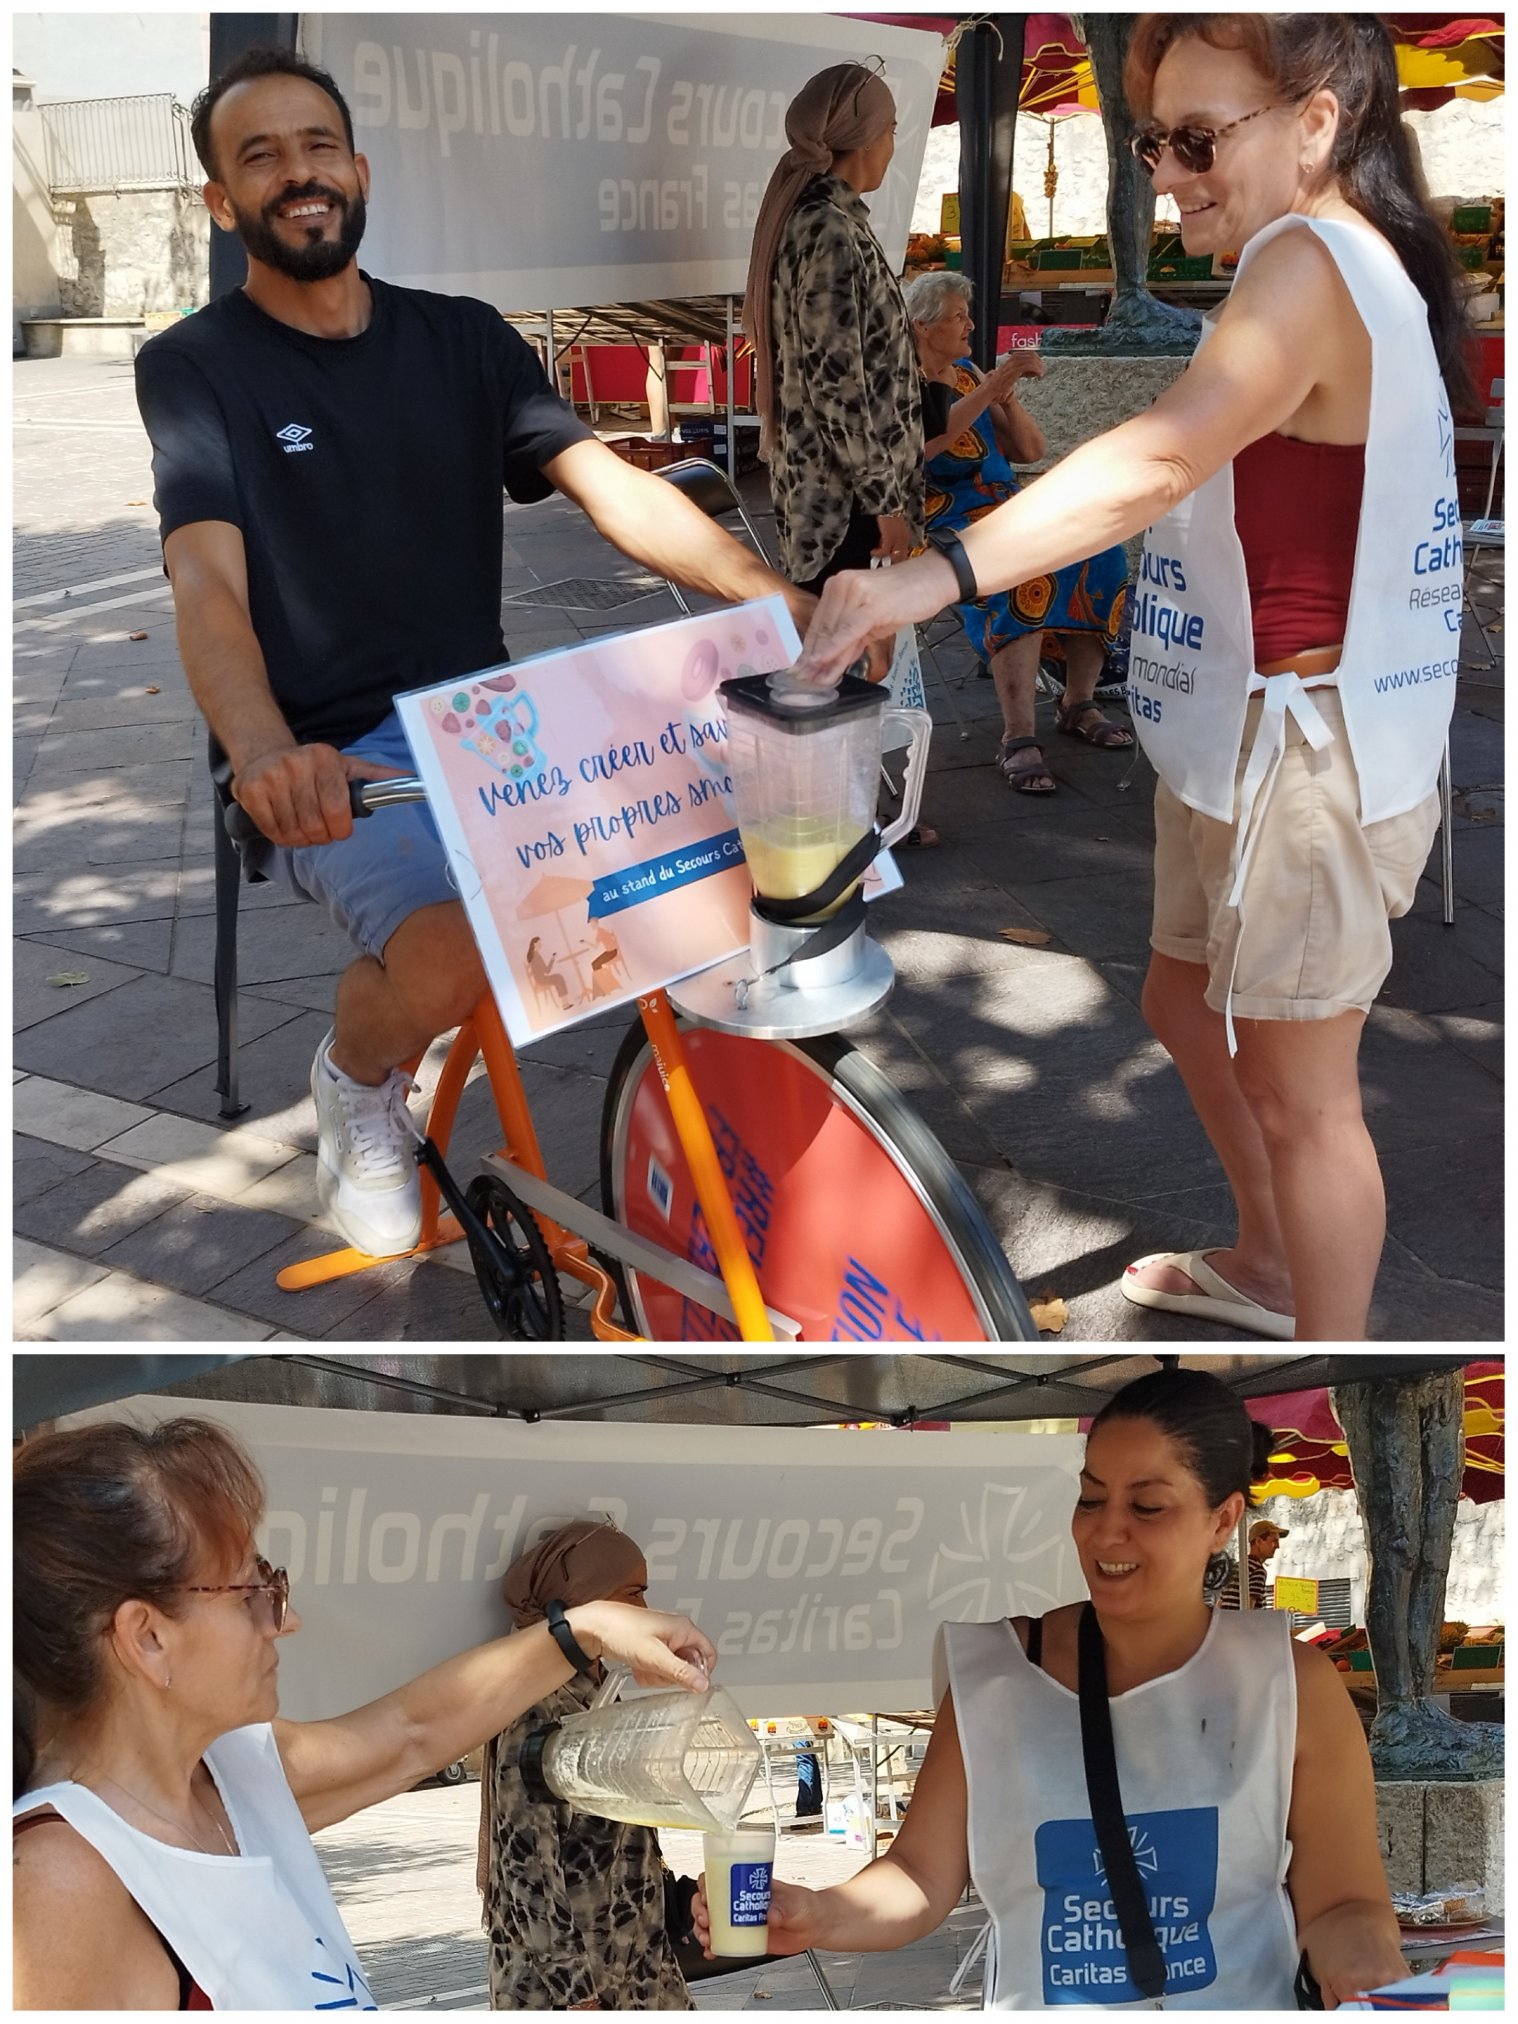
x,y
231,870
708,486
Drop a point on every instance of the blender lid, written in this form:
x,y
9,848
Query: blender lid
x,y
752,695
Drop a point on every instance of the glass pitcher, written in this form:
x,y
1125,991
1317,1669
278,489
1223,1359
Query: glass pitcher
x,y
659,1760
805,768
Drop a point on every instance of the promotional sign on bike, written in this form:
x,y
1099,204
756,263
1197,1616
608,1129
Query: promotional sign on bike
x,y
584,800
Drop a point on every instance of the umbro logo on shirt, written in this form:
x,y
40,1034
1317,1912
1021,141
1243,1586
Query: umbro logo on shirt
x,y
294,437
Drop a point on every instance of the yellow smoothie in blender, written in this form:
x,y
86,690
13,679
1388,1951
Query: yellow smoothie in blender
x,y
790,855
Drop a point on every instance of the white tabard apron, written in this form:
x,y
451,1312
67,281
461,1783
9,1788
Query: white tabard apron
x,y
1192,660
1204,1765
258,1930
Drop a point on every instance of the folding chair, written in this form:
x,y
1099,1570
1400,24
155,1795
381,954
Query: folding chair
x,y
1485,532
1478,535
706,485
231,869
1446,838
930,637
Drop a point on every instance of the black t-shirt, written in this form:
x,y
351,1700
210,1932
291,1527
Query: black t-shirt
x,y
365,474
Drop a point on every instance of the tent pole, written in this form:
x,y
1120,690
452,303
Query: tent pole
x,y
732,441
551,362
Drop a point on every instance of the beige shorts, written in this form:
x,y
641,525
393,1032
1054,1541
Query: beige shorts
x,y
1320,890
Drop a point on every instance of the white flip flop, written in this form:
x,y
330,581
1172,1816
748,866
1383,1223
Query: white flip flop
x,y
1217,1300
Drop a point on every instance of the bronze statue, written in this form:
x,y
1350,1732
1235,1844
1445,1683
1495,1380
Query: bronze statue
x,y
1406,1441
1137,320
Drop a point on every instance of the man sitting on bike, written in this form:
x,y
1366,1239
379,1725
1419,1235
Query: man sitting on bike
x,y
329,454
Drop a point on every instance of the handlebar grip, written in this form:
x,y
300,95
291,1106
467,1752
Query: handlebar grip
x,y
241,827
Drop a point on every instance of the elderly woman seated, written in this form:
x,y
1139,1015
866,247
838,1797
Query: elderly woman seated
x,y
976,429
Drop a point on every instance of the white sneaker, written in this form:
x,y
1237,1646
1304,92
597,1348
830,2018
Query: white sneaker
x,y
366,1172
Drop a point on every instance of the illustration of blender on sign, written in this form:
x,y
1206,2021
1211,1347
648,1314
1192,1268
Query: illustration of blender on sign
x,y
805,768
669,1760
501,730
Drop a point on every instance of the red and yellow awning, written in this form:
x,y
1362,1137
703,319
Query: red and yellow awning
x,y
1439,57
1311,1453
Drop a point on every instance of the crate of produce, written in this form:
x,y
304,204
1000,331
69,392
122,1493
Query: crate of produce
x,y
1057,259
1471,218
645,454
1476,1658
1186,267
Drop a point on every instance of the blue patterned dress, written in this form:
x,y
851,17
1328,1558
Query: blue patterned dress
x,y
970,479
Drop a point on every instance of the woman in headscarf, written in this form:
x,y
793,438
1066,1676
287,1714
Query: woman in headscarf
x,y
574,1905
840,416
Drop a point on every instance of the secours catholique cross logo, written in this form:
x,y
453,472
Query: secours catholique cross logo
x,y
1008,1558
1084,1959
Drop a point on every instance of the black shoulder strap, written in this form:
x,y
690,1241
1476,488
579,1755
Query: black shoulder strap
x,y
1035,1640
1146,1963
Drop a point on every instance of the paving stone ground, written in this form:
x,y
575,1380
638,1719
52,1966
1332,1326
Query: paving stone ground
x,y
139,1215
403,1877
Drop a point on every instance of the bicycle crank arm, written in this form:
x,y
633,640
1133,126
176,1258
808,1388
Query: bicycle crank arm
x,y
651,1259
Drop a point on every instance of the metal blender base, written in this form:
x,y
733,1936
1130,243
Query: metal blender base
x,y
711,998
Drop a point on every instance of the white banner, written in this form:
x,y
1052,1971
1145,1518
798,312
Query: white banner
x,y
545,161
819,1562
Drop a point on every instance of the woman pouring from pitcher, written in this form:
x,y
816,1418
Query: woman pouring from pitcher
x,y
1296,632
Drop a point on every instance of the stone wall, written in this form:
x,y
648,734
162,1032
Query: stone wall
x,y
1328,1541
34,236
142,250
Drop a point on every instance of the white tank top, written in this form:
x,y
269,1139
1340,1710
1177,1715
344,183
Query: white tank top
x,y
1193,646
257,1931
1204,1761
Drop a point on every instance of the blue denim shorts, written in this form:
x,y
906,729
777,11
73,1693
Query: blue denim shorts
x,y
392,864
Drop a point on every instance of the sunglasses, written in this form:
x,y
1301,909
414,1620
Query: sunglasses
x,y
273,1583
1195,148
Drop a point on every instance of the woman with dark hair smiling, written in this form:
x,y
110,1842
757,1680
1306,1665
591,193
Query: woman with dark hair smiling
x,y
1240,1789
1296,628
163,1812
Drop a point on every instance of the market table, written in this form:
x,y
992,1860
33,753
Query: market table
x,y
1427,1946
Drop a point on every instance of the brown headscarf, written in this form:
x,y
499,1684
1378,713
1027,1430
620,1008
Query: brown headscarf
x,y
582,1562
834,113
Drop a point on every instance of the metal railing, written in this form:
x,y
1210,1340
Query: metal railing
x,y
138,143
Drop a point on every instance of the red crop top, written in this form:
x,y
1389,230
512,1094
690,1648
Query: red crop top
x,y
191,1995
1296,507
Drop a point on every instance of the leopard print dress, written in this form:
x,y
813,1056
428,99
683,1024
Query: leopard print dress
x,y
574,1905
848,415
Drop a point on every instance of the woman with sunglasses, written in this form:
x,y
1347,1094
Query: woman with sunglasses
x,y
163,1813
1296,628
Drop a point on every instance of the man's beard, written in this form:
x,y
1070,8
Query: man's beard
x,y
317,260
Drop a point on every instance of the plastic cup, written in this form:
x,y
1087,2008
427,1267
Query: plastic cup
x,y
739,1868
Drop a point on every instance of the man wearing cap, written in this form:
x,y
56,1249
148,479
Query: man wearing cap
x,y
1264,1538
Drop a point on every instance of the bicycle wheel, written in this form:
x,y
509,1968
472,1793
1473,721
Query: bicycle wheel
x,y
859,1223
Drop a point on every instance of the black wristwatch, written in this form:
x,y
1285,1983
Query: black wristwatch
x,y
949,545
564,1638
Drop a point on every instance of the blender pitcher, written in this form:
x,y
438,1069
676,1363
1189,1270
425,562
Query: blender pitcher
x,y
805,768
659,1760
